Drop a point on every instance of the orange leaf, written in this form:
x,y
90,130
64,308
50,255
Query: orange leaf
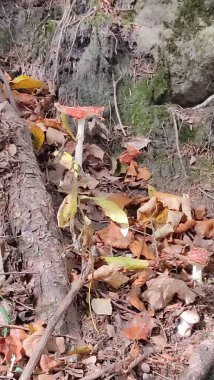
x,y
139,328
14,342
112,236
141,279
131,171
144,173
200,212
48,362
31,341
139,248
129,154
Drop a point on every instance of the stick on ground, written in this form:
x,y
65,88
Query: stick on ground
x,y
63,307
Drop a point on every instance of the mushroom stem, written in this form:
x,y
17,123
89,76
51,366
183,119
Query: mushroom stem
x,y
80,141
197,273
184,328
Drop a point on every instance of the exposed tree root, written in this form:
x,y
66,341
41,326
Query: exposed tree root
x,y
31,217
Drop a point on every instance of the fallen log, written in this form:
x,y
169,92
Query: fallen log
x,y
31,217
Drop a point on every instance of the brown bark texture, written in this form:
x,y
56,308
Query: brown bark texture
x,y
31,217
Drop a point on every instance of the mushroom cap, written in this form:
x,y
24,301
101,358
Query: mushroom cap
x,y
198,256
190,316
80,112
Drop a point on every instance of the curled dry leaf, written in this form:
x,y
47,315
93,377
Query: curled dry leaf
x,y
162,289
186,206
138,142
113,237
205,228
121,199
14,344
31,341
110,274
173,202
53,136
133,298
200,212
132,169
174,218
140,327
164,231
183,227
140,248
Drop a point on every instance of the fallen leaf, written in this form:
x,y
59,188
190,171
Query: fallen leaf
x,y
173,202
205,228
132,169
81,350
164,231
138,142
141,279
53,136
66,126
133,298
174,218
139,248
183,227
25,82
200,212
162,289
120,199
143,173
44,376
31,341
139,328
101,306
93,150
38,136
48,362
127,263
68,208
127,156
148,207
14,342
109,274
113,211
66,160
113,237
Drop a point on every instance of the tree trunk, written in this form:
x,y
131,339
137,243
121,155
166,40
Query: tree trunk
x,y
31,217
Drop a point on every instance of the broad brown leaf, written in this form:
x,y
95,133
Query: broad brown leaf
x,y
139,328
48,363
140,248
127,156
143,173
113,237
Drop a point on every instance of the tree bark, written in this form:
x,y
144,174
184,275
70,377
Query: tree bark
x,y
31,217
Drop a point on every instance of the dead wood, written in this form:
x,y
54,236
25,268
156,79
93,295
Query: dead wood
x,y
201,362
31,217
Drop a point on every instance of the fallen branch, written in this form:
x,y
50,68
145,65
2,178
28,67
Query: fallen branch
x,y
177,142
204,104
117,367
63,307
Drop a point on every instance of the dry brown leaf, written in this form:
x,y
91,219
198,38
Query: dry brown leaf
x,y
138,142
48,362
143,173
110,274
140,248
139,328
31,341
141,279
120,199
133,298
183,227
93,150
148,207
53,136
113,237
162,289
205,228
14,344
131,171
173,202
174,218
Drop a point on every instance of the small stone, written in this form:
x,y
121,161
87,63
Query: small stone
x,y
145,368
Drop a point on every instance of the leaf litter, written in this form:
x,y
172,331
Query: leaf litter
x,y
142,276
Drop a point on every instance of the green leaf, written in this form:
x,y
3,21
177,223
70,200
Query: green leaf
x,y
68,207
127,262
113,211
67,126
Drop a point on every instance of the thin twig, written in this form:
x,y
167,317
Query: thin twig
x,y
18,273
208,195
8,326
177,142
116,105
58,315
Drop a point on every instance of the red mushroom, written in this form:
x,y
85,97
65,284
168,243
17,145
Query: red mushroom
x,y
199,258
81,114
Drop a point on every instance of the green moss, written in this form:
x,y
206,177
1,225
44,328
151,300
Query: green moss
x,y
191,17
98,19
50,26
141,105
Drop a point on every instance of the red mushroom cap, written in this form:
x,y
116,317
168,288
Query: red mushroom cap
x,y
198,256
80,112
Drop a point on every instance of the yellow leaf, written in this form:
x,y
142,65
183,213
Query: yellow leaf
x,y
38,136
113,211
66,160
68,207
24,82
66,126
80,350
127,262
